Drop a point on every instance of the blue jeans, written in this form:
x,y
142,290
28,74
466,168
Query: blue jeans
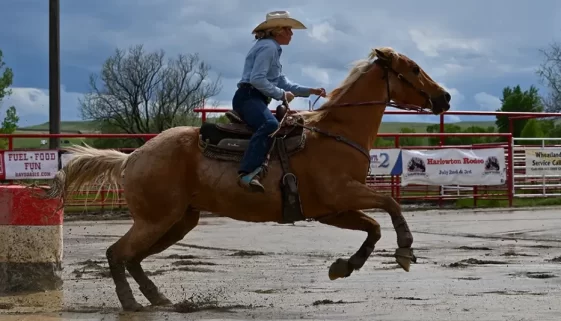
x,y
252,107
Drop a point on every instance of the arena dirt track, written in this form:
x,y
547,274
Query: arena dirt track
x,y
471,266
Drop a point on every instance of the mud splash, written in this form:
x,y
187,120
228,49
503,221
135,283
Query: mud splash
x,y
91,267
472,261
474,248
245,253
513,292
208,301
513,253
328,302
534,275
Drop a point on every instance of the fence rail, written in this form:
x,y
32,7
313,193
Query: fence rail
x,y
518,184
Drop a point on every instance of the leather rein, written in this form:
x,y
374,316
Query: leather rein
x,y
388,102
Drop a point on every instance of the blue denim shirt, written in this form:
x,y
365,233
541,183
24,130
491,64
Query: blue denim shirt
x,y
263,70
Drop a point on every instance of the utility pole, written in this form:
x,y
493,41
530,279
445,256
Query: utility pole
x,y
54,72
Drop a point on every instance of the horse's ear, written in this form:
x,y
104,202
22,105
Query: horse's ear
x,y
385,54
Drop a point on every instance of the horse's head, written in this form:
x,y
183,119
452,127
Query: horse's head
x,y
409,83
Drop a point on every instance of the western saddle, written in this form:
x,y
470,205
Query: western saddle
x,y
228,142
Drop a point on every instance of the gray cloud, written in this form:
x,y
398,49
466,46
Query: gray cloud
x,y
474,47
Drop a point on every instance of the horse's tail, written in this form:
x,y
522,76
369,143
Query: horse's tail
x,y
88,165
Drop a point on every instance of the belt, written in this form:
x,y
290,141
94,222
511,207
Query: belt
x,y
246,85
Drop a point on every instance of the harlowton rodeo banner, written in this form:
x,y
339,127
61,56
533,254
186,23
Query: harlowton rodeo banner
x,y
454,166
543,160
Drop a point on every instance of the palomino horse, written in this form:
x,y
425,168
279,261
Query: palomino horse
x,y
185,170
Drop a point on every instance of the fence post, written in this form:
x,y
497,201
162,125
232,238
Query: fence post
x,y
397,177
510,179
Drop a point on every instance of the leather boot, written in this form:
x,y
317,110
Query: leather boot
x,y
251,181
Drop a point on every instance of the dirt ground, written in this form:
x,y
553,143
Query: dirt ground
x,y
472,265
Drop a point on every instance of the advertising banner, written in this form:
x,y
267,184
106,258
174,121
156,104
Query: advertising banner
x,y
543,160
454,166
385,161
41,164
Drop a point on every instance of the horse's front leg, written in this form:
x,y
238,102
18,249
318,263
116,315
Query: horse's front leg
x,y
353,220
357,196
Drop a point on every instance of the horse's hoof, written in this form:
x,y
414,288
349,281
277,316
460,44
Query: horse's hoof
x,y
403,257
339,269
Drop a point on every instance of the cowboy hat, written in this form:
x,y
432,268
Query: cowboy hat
x,y
279,19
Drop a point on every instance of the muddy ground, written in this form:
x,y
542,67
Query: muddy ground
x,y
472,265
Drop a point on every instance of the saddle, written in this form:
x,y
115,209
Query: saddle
x,y
228,142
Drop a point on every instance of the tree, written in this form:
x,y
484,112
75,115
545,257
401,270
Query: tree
x,y
516,100
142,93
10,122
532,129
460,140
412,140
550,76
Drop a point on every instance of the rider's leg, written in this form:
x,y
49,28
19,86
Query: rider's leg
x,y
257,115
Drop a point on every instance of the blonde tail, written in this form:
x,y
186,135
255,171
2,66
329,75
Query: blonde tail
x,y
88,165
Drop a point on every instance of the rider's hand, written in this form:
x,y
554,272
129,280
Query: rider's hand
x,y
288,96
318,91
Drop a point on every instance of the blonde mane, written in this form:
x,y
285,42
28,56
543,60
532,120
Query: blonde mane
x,y
358,68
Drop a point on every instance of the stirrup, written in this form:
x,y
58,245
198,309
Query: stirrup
x,y
251,181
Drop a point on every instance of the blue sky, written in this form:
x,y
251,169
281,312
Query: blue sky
x,y
474,48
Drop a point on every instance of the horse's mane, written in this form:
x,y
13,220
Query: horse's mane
x,y
358,68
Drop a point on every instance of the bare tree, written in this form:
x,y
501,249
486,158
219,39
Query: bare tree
x,y
141,93
550,75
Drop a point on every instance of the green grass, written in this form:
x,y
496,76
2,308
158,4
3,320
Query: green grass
x,y
386,127
65,126
391,127
517,202
88,126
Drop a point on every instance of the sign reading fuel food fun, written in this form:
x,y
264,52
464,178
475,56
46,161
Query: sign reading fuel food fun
x,y
41,164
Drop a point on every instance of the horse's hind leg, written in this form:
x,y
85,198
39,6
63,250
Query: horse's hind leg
x,y
354,220
175,234
141,236
359,196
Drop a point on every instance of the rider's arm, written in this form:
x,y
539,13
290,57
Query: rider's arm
x,y
295,88
264,58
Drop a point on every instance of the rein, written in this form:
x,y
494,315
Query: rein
x,y
387,102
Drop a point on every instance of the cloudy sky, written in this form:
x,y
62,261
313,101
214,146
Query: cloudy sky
x,y
474,48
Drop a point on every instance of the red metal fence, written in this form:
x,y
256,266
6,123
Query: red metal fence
x,y
390,184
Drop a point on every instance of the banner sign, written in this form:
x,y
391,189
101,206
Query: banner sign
x,y
40,164
543,160
385,161
454,166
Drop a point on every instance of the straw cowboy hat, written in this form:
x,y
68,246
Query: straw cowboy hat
x,y
279,19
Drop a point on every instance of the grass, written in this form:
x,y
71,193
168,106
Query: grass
x,y
517,202
65,126
74,127
385,127
391,127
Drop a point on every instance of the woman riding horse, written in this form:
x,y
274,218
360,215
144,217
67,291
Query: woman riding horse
x,y
263,80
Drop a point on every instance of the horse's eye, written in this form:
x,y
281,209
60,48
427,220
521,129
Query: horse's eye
x,y
416,70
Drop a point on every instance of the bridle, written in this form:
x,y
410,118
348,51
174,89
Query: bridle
x,y
387,70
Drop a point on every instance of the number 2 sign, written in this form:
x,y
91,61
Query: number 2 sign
x,y
384,161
